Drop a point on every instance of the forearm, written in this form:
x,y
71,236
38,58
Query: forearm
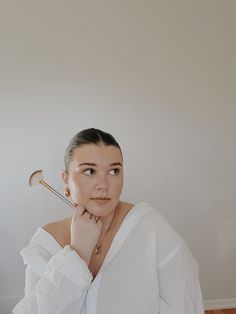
x,y
64,282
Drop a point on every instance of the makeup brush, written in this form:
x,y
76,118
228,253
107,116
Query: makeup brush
x,y
37,178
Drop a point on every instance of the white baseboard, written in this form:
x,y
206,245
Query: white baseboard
x,y
8,303
220,304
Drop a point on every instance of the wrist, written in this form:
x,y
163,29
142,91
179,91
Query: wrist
x,y
84,257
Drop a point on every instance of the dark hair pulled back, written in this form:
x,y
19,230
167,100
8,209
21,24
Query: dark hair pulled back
x,y
88,136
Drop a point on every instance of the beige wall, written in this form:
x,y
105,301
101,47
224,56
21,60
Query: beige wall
x,y
160,76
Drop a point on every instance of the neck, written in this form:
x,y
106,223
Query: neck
x,y
108,220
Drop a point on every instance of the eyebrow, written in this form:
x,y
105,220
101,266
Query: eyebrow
x,y
94,165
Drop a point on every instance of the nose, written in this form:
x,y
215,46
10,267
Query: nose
x,y
102,182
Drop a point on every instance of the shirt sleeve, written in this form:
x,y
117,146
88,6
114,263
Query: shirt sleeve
x,y
180,291
61,288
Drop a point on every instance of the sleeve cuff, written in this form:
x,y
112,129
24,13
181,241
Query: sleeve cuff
x,y
71,265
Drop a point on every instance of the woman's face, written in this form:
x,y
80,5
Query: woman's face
x,y
95,177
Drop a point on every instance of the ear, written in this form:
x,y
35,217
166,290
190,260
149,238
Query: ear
x,y
65,176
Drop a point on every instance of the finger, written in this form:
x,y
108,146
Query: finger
x,y
79,210
99,224
87,215
97,218
84,211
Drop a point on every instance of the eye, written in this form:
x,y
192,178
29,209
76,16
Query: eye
x,y
114,172
89,171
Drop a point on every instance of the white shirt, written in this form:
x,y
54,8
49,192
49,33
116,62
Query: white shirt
x,y
147,270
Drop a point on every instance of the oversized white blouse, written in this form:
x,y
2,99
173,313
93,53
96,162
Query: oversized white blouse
x,y
147,270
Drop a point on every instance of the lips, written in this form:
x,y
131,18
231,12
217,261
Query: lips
x,y
101,199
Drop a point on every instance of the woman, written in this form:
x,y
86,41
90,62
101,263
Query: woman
x,y
111,256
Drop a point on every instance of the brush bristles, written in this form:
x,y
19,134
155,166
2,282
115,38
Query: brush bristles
x,y
35,177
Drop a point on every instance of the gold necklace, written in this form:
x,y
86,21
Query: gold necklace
x,y
98,247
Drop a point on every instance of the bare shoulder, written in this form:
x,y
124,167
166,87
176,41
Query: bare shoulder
x,y
60,230
126,207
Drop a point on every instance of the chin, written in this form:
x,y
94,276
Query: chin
x,y
99,208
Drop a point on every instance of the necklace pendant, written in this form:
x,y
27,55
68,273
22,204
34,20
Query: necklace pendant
x,y
98,249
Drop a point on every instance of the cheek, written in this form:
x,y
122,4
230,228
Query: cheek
x,y
118,186
75,184
80,186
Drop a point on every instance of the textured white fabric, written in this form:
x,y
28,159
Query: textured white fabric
x,y
147,270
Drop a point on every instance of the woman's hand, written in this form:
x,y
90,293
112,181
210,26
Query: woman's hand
x,y
85,232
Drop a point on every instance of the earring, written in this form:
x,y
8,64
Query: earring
x,y
67,192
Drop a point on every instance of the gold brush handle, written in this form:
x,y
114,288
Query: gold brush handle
x,y
56,193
